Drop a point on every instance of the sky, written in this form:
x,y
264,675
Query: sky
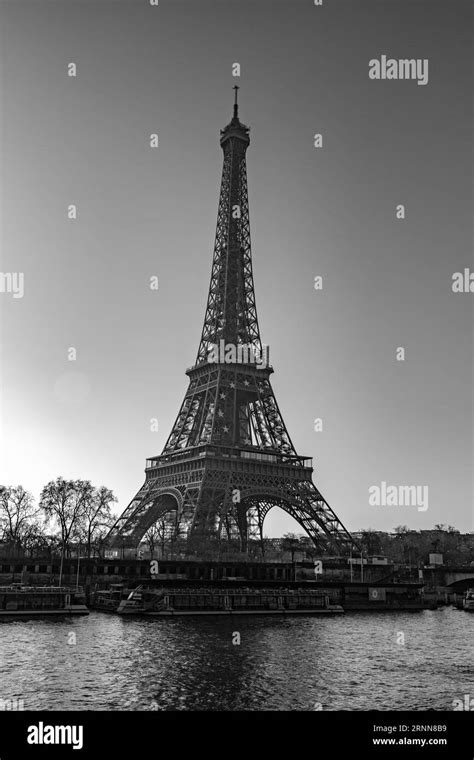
x,y
328,211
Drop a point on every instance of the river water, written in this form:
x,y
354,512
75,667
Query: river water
x,y
358,661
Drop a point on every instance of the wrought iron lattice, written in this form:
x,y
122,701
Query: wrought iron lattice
x,y
229,458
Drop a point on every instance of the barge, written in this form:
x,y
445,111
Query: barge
x,y
239,596
244,601
18,600
168,602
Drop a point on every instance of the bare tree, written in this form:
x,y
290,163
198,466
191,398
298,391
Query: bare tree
x,y
370,541
96,518
17,514
156,535
64,501
291,543
38,543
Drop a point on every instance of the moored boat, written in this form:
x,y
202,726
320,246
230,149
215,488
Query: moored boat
x,y
117,598
468,601
25,601
109,599
240,601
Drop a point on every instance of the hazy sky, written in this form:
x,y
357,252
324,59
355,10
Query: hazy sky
x,y
313,211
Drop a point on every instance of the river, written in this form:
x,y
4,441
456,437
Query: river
x,y
358,661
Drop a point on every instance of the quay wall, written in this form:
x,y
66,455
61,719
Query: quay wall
x,y
103,572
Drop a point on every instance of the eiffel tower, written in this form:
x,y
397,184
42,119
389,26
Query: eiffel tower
x,y
229,459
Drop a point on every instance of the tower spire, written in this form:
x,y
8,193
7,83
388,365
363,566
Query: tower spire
x,y
236,105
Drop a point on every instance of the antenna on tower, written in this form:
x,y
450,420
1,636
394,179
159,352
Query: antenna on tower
x,y
236,106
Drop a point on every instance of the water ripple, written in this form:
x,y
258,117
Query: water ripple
x,y
350,663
